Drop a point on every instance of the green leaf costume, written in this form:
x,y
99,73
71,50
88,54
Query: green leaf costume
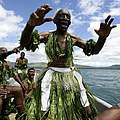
x,y
20,64
22,67
64,97
6,73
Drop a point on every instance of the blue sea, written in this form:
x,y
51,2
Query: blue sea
x,y
104,83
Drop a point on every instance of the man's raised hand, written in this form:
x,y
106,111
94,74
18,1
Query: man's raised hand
x,y
37,17
105,28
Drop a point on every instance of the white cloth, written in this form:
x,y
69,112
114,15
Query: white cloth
x,y
61,69
46,86
83,97
19,71
12,82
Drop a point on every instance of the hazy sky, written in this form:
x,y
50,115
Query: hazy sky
x,y
86,16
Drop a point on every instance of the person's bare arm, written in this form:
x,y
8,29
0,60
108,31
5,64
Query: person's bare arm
x,y
16,63
5,54
103,33
78,41
36,19
9,65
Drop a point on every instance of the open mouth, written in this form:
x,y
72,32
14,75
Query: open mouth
x,y
64,24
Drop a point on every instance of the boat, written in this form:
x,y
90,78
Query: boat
x,y
101,105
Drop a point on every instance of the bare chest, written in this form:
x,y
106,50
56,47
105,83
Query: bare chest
x,y
62,43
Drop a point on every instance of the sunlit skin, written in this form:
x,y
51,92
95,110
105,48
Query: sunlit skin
x,y
23,59
8,92
4,53
110,114
31,74
62,20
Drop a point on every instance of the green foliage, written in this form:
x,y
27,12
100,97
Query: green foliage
x,y
36,40
54,50
4,117
11,108
33,45
89,47
20,47
6,72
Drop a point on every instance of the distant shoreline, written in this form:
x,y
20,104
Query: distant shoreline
x,y
78,66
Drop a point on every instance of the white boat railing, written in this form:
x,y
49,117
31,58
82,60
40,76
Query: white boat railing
x,y
103,102
101,105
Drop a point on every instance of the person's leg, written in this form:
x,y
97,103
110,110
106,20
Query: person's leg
x,y
19,100
18,96
110,114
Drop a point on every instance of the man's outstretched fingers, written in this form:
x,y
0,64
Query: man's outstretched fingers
x,y
48,9
111,20
108,17
113,26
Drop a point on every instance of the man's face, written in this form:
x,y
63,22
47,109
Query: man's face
x,y
31,73
3,50
22,55
63,20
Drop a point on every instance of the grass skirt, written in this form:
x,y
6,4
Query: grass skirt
x,y
64,99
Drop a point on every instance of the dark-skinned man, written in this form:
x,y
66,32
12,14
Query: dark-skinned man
x,y
21,64
30,81
60,92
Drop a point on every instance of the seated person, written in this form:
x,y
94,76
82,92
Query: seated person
x,y
29,80
21,64
8,92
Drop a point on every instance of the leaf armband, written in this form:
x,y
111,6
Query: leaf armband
x,y
88,49
33,45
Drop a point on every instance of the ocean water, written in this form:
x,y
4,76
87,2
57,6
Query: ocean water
x,y
104,83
